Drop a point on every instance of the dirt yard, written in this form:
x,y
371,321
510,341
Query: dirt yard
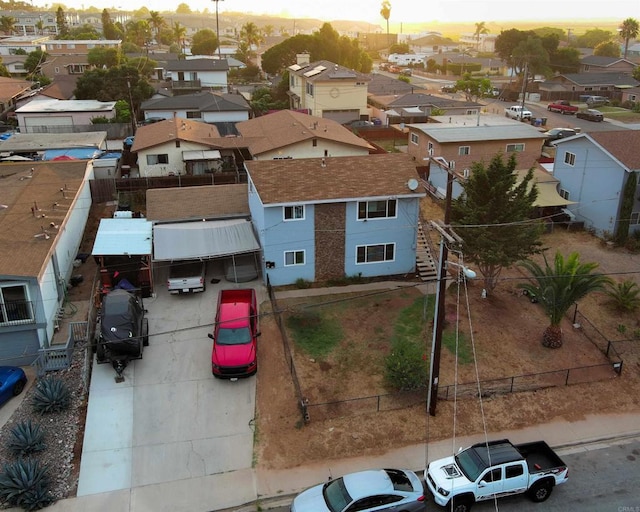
x,y
507,331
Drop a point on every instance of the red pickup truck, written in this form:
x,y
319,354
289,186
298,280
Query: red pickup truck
x,y
235,335
562,106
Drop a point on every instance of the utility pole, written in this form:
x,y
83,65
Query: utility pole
x,y
218,29
438,317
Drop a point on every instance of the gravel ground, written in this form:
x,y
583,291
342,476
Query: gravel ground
x,y
63,431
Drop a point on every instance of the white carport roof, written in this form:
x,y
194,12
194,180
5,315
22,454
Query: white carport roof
x,y
209,154
121,237
208,239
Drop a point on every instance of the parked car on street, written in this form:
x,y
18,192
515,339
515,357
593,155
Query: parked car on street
x,y
590,114
518,112
563,107
558,133
360,124
12,382
448,88
380,489
593,101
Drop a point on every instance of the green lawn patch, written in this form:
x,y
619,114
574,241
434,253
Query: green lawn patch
x,y
314,332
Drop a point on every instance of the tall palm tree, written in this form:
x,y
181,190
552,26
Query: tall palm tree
x,y
7,24
558,287
629,30
251,35
480,29
156,22
179,33
385,12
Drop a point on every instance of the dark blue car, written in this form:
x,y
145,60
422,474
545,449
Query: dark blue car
x,y
12,382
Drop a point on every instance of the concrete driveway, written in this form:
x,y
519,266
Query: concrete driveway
x,y
170,432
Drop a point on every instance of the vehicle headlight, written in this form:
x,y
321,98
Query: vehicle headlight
x,y
443,491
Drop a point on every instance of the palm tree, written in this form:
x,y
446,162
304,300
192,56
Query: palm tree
x,y
179,33
385,12
558,287
7,24
480,29
250,34
629,30
156,22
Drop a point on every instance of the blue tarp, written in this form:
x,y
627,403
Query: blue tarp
x,y
78,153
112,154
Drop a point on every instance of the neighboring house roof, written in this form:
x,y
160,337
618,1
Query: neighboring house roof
x,y
620,144
383,85
53,105
323,70
198,65
61,88
173,129
587,79
318,180
205,202
430,39
25,142
286,127
120,237
454,133
422,100
22,253
602,61
205,101
12,87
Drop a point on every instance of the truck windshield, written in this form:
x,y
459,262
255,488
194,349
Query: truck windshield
x,y
336,495
238,336
470,464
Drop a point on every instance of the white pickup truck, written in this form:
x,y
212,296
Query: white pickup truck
x,y
491,470
518,112
187,277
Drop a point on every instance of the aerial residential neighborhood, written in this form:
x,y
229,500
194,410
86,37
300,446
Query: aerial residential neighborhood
x,y
250,260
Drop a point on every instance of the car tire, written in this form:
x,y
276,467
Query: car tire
x,y
461,505
18,387
145,332
540,492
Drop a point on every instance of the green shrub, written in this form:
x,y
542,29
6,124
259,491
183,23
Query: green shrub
x,y
51,395
26,438
25,483
625,296
406,366
302,284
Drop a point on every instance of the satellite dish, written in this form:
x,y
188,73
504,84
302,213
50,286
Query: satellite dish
x,y
412,184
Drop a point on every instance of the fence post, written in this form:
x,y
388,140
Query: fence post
x,y
511,390
575,313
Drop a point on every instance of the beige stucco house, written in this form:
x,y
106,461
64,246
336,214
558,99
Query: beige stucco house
x,y
325,89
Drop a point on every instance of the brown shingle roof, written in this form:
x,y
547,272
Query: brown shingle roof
x,y
173,129
205,202
343,178
286,127
622,144
21,252
11,87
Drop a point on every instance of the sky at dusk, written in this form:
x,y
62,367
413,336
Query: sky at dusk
x,y
413,11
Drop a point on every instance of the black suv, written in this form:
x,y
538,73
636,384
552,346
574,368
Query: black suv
x,y
122,330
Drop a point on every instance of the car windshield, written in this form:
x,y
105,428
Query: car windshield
x,y
470,464
238,336
336,495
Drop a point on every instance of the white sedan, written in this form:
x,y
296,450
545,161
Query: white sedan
x,y
397,490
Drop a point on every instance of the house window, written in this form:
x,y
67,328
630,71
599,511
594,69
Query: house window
x,y
375,253
635,218
15,306
309,89
376,209
292,81
515,148
196,114
295,212
588,88
56,70
632,97
314,143
293,258
569,158
464,150
157,159
564,194
472,112
430,148
414,138
177,143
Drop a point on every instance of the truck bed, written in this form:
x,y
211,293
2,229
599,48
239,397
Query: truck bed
x,y
539,456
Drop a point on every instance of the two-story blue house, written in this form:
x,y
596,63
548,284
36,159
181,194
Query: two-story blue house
x,y
322,218
593,169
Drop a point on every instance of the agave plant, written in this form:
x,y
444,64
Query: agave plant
x,y
27,437
51,395
25,483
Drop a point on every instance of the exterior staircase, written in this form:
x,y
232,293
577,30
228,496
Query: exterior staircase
x,y
426,266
